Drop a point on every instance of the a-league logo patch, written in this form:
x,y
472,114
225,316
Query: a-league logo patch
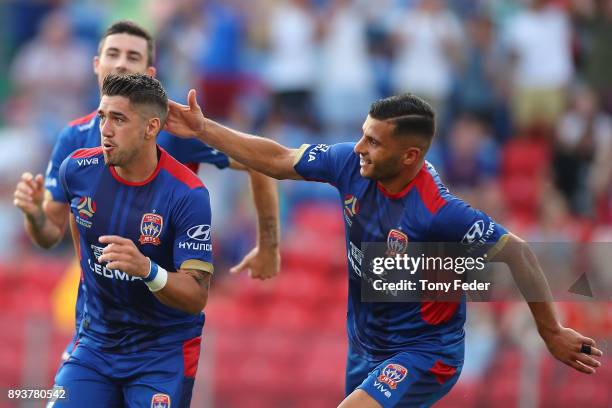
x,y
351,208
351,205
393,374
150,229
86,207
160,401
397,242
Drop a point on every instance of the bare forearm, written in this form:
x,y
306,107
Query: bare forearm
x,y
265,196
532,283
545,317
42,231
185,292
260,154
564,344
528,274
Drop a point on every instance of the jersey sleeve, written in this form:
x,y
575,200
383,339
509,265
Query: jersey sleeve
x,y
62,176
64,145
192,151
193,234
324,163
456,221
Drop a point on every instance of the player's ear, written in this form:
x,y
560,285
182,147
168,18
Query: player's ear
x,y
96,64
151,71
411,155
153,127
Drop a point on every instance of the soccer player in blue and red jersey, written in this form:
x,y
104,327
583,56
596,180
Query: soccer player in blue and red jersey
x,y
400,354
126,48
143,232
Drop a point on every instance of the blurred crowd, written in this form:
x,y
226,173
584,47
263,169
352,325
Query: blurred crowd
x,y
521,88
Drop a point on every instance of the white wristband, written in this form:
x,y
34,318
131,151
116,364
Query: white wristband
x,y
157,277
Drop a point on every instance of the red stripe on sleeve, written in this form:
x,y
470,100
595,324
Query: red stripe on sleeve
x,y
429,191
83,120
83,153
182,173
193,167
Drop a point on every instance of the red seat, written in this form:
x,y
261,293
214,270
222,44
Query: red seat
x,y
525,167
12,340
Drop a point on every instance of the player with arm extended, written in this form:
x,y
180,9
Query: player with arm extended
x,y
146,277
400,354
126,47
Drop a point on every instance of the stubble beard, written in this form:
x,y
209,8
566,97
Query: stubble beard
x,y
118,159
109,161
383,172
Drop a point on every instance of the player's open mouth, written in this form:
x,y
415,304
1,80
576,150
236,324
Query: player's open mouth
x,y
363,162
108,147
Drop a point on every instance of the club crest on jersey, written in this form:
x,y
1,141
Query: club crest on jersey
x,y
150,229
160,401
351,208
393,374
397,242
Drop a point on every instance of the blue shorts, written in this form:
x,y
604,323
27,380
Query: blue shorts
x,y
406,379
157,377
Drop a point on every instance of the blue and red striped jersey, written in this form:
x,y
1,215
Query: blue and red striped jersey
x,y
424,211
167,216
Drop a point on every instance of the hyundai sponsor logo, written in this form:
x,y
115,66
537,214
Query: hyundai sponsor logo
x,y
199,232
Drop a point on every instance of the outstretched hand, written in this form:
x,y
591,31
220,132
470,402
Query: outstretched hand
x,y
185,120
566,344
261,263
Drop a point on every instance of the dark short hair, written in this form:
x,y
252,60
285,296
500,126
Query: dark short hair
x,y
410,114
131,28
140,89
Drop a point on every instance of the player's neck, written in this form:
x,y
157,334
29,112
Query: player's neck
x,y
398,183
141,167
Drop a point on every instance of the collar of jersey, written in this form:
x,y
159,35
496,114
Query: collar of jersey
x,y
404,191
160,162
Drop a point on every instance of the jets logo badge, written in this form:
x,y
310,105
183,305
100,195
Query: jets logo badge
x,y
393,374
160,401
86,207
150,229
397,242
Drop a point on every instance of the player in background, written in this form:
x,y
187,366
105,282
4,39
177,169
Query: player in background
x,y
400,354
143,230
125,48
